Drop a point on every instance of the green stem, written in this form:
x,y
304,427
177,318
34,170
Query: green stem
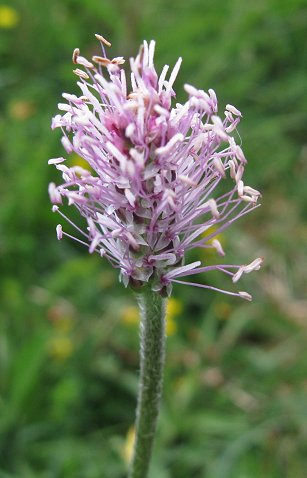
x,y
152,351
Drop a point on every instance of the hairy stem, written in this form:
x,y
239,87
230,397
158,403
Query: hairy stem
x,y
152,336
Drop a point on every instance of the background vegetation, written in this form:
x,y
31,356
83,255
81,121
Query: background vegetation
x,y
236,380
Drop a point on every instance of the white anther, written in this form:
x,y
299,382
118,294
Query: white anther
x,y
191,90
213,96
232,168
130,130
54,194
218,247
239,154
233,110
137,156
219,166
130,197
56,160
240,186
253,266
80,60
247,268
245,295
251,199
218,128
251,191
177,138
213,208
59,232
94,243
239,174
187,180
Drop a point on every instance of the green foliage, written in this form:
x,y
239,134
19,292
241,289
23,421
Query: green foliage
x,y
235,384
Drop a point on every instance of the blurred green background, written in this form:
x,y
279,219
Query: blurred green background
x,y
235,395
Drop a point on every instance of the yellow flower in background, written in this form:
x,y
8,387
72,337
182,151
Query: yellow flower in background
x,y
60,348
21,109
9,17
171,326
107,279
64,324
76,160
173,308
209,231
128,445
130,315
61,316
212,242
222,310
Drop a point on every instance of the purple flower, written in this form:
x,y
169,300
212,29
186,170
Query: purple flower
x,y
151,190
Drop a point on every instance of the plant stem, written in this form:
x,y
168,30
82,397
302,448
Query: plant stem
x,y
152,352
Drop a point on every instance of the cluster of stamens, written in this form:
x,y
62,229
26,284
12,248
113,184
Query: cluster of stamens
x,y
150,192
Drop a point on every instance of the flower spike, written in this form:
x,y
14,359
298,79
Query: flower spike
x,y
151,188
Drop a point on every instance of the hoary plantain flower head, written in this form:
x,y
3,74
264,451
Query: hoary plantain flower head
x,y
150,191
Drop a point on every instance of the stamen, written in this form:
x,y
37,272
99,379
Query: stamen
x,y
75,55
84,62
174,74
81,73
154,169
165,149
56,160
219,166
245,295
55,196
102,39
233,110
218,247
59,232
119,60
102,61
187,180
